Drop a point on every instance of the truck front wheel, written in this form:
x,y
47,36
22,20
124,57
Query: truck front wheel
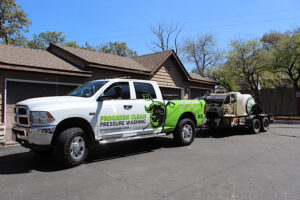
x,y
72,147
255,126
185,132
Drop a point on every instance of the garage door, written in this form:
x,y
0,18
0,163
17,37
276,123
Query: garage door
x,y
196,93
170,93
18,91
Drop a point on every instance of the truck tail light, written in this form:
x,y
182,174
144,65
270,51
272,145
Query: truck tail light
x,y
205,109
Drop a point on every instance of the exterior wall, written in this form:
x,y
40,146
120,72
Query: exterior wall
x,y
169,75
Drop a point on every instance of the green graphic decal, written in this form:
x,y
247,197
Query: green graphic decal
x,y
249,104
157,111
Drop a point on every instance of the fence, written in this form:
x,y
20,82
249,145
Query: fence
x,y
281,101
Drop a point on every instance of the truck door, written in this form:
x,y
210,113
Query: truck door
x,y
149,111
115,112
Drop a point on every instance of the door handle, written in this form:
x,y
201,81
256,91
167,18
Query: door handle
x,y
127,106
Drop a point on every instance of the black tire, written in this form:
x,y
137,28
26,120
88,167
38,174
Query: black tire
x,y
255,128
184,133
45,152
265,122
72,147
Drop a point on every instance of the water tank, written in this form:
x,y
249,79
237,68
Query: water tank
x,y
244,104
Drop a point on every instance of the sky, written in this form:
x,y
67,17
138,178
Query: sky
x,y
98,22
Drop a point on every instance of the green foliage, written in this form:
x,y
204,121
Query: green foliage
x,y
117,48
286,58
42,40
251,60
13,22
72,44
87,46
270,40
227,77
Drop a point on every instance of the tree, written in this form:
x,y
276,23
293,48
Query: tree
x,y
270,40
250,58
72,44
87,46
166,37
286,58
227,77
13,21
117,48
42,40
202,53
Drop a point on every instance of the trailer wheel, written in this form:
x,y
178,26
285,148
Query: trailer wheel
x,y
264,124
255,126
184,133
72,147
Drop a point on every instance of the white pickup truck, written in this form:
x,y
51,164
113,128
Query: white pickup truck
x,y
103,111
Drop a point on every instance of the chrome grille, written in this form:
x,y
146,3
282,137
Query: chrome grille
x,y
22,116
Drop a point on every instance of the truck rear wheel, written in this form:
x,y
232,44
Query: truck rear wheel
x,y
72,147
265,124
255,126
184,133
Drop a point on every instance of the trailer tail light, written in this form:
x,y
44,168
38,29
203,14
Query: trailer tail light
x,y
205,109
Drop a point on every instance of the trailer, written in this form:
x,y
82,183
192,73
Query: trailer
x,y
236,110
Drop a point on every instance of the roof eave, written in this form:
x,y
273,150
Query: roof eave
x,y
43,70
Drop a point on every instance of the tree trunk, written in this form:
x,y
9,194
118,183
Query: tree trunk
x,y
295,84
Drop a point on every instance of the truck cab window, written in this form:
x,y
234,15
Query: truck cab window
x,y
118,90
227,100
232,98
88,89
144,88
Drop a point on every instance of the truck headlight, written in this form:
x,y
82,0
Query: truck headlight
x,y
41,117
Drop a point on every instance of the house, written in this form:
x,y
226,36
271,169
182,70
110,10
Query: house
x,y
27,73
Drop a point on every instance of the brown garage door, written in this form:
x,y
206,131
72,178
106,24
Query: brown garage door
x,y
18,91
196,93
170,93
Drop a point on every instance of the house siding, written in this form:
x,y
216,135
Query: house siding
x,y
169,75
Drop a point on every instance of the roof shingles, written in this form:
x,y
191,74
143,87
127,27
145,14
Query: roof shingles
x,y
105,59
33,58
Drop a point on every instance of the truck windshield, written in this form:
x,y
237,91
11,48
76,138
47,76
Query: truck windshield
x,y
88,89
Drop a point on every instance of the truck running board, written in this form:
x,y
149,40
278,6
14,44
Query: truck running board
x,y
106,141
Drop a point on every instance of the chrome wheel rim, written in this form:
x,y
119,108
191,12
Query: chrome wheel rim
x,y
77,147
187,132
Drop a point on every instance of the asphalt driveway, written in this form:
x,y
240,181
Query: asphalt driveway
x,y
227,165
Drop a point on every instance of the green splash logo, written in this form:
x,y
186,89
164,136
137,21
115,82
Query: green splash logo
x,y
157,111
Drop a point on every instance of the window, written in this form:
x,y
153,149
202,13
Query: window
x,y
112,90
88,89
144,88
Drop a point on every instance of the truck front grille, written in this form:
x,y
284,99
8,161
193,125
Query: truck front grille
x,y
22,116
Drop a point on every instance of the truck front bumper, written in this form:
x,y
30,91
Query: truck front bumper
x,y
33,136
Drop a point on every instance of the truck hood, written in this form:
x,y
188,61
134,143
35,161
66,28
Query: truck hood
x,y
47,103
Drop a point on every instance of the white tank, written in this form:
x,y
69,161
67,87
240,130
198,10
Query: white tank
x,y
244,104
